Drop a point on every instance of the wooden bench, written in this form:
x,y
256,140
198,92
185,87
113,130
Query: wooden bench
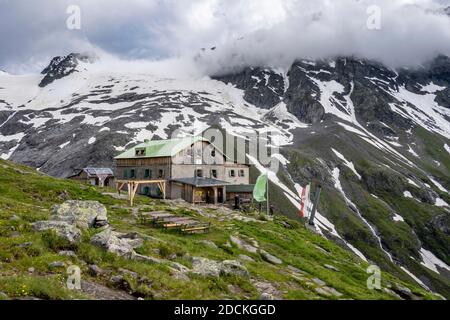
x,y
179,224
154,216
197,228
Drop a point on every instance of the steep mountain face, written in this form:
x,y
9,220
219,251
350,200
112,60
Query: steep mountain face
x,y
375,138
61,67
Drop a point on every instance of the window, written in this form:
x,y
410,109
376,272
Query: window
x,y
132,173
213,153
199,173
140,152
214,173
148,173
232,173
146,191
241,173
160,174
125,173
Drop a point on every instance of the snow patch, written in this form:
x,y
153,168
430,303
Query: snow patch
x,y
441,203
62,146
430,261
407,194
447,148
347,163
437,184
411,182
398,218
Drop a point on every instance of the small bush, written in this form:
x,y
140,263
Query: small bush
x,y
55,242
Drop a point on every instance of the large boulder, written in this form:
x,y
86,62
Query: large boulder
x,y
83,214
118,243
241,244
211,268
233,268
205,267
270,258
61,228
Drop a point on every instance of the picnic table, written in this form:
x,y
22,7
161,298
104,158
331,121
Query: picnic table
x,y
154,216
179,223
168,220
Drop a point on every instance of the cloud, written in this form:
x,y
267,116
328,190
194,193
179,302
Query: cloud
x,y
243,32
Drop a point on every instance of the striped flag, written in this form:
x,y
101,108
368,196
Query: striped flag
x,y
304,201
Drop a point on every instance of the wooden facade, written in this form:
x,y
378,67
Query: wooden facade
x,y
198,173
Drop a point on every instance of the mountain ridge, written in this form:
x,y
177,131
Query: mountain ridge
x,y
376,138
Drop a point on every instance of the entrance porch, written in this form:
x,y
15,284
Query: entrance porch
x,y
199,190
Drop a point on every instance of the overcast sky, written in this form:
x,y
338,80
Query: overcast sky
x,y
244,32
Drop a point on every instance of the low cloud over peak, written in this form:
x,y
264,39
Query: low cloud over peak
x,y
218,35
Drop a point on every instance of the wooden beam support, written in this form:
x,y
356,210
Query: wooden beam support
x,y
120,186
133,186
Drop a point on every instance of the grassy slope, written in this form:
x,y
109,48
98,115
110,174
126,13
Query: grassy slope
x,y
398,237
30,195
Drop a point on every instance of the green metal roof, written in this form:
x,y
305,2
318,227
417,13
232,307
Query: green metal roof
x,y
160,148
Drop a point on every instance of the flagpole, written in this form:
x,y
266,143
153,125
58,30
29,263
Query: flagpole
x,y
267,195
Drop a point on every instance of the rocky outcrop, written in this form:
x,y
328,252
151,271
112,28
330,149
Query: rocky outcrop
x,y
117,243
82,214
270,258
63,229
241,244
263,88
61,67
69,218
211,268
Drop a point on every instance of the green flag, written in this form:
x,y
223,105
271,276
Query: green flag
x,y
259,192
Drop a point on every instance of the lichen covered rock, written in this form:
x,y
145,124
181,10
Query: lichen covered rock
x,y
83,214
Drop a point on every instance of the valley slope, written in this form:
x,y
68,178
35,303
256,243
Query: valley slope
x,y
375,138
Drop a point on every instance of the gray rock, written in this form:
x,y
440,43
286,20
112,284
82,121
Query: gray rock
x,y
82,214
25,244
209,243
241,244
295,270
101,292
403,291
328,292
179,267
211,268
270,258
267,289
62,229
67,253
333,291
205,267
120,282
116,243
243,257
318,282
95,270
57,264
330,267
129,273
233,267
148,259
266,296
14,218
31,270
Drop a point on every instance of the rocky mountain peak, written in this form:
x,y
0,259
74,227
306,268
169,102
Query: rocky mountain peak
x,y
63,66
